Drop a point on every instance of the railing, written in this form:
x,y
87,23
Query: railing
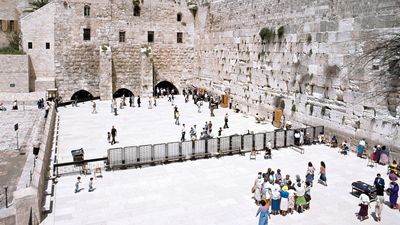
x,y
173,151
81,167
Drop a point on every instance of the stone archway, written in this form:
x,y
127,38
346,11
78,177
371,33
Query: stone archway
x,y
168,86
122,92
82,95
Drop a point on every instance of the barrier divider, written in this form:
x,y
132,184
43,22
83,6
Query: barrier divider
x,y
166,152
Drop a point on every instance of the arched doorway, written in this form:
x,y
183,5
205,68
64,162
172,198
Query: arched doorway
x,y
122,92
82,96
167,86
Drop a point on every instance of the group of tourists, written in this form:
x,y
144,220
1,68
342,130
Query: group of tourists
x,y
276,194
379,184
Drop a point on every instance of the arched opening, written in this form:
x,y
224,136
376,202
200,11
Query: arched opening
x,y
82,96
167,87
86,10
122,92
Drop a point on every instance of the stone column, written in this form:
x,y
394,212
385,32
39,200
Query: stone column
x,y
146,72
105,73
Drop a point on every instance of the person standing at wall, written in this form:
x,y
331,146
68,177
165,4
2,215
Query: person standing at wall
x,y
138,101
226,121
113,134
91,188
183,132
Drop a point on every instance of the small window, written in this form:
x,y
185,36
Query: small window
x,y
1,25
86,10
47,45
179,37
30,45
11,26
86,34
136,10
150,36
179,17
122,36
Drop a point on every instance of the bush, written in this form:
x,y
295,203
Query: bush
x,y
10,51
281,32
267,35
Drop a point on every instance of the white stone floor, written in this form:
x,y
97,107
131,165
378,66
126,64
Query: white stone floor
x,y
79,128
215,192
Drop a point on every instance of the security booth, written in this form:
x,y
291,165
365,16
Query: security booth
x,y
51,93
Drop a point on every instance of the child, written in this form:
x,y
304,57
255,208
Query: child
x,y
78,181
91,185
109,137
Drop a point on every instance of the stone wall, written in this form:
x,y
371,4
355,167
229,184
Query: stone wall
x,y
38,29
309,68
14,73
77,61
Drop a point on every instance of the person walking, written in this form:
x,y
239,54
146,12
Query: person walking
x,y
226,121
310,173
47,108
115,106
363,213
94,107
263,211
183,132
113,134
138,101
78,181
91,189
177,114
220,132
322,173
379,207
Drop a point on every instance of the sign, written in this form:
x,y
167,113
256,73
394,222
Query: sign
x,y
16,127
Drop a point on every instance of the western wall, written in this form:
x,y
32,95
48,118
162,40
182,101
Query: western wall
x,y
310,69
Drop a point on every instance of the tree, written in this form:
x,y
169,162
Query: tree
x,y
381,57
37,4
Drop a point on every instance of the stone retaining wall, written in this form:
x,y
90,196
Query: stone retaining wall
x,y
14,73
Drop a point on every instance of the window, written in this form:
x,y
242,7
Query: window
x,y
122,36
179,17
47,45
11,26
150,36
30,45
1,25
86,10
136,10
179,37
86,34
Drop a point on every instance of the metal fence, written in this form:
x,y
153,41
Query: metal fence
x,y
166,152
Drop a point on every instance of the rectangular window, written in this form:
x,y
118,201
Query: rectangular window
x,y
1,25
86,34
30,46
47,45
122,36
11,26
150,36
179,37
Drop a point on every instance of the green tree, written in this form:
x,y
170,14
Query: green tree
x,y
37,4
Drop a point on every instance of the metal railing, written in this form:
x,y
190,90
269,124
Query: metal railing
x,y
167,152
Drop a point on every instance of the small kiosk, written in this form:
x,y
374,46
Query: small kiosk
x,y
51,93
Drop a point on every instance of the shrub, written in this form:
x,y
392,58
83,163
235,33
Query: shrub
x,y
281,32
267,35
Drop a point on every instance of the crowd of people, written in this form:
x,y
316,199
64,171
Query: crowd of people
x,y
276,194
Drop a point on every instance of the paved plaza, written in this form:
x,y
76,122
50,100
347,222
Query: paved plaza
x,y
214,191
79,128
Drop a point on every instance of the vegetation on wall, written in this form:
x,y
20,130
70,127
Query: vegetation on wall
x,y
281,32
37,4
14,40
136,2
267,35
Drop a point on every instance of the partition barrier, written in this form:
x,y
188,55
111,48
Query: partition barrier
x,y
165,152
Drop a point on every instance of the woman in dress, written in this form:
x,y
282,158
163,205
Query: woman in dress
x,y
264,214
300,200
284,200
363,213
322,174
394,194
276,199
310,173
291,197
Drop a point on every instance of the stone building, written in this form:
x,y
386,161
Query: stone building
x,y
105,46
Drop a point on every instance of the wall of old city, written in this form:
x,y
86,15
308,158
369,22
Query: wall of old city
x,y
313,77
77,62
